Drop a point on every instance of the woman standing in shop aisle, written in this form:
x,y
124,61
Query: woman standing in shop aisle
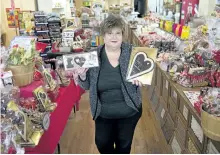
x,y
116,104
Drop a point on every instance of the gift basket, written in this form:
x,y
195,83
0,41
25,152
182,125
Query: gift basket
x,y
21,63
210,113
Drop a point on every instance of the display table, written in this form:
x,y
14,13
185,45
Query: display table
x,y
68,97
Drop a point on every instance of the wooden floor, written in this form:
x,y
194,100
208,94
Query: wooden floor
x,y
78,136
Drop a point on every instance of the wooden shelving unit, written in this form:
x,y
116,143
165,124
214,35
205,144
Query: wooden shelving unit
x,y
179,121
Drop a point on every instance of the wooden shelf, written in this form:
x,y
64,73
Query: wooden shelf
x,y
163,88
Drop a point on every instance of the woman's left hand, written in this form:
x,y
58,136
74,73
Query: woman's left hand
x,y
137,83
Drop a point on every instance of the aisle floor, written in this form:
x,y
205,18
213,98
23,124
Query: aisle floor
x,y
78,136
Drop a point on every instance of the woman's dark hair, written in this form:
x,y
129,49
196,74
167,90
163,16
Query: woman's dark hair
x,y
110,22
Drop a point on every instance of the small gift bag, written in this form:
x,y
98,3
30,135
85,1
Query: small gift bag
x,y
185,32
178,30
168,26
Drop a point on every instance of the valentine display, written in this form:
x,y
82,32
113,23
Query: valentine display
x,y
81,60
29,92
142,64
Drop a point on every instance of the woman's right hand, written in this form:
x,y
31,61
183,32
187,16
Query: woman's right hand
x,y
81,72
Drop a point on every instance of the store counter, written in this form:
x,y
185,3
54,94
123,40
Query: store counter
x,y
68,97
179,119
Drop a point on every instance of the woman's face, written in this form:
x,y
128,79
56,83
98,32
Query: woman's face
x,y
113,38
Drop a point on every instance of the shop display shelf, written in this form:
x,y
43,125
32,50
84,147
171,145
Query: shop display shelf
x,y
159,80
155,100
168,128
46,31
184,110
181,129
191,145
196,131
172,108
43,39
176,145
165,88
40,15
41,23
212,147
161,112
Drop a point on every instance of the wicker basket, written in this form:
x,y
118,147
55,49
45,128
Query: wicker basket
x,y
210,125
22,75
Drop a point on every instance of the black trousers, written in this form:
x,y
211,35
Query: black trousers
x,y
115,131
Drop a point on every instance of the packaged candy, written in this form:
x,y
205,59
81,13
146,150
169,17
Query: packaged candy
x,y
179,30
28,103
174,28
169,26
210,99
48,78
44,102
185,32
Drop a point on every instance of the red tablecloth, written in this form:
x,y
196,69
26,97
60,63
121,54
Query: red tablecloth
x,y
68,96
27,91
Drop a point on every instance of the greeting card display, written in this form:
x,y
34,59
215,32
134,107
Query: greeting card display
x,y
80,60
141,65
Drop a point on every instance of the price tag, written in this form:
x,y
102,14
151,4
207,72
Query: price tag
x,y
167,84
185,112
162,113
